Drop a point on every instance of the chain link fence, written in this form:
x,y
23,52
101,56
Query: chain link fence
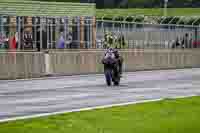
x,y
47,32
36,33
148,35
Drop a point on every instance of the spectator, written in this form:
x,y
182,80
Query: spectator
x,y
61,42
16,39
28,40
3,41
12,42
38,39
69,41
176,43
185,41
190,41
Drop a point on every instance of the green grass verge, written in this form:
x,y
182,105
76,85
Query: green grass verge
x,y
154,11
47,0
78,1
167,116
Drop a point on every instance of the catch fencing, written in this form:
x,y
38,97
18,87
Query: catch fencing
x,y
36,33
47,32
150,34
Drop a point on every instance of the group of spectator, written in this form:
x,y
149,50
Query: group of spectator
x,y
114,41
27,42
186,42
110,40
12,42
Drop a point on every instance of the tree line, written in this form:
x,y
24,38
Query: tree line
x,y
150,4
160,3
139,3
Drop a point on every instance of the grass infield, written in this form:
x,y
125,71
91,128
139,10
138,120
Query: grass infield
x,y
166,116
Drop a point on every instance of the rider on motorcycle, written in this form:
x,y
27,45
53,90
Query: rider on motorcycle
x,y
119,59
111,58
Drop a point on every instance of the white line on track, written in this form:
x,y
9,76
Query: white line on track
x,y
86,109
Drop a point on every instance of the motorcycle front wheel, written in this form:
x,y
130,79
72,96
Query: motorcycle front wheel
x,y
108,76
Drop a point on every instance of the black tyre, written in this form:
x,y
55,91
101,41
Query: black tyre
x,y
108,77
116,83
116,77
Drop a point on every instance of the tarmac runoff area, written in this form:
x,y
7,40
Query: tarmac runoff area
x,y
29,98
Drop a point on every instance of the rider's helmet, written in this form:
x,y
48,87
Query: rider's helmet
x,y
109,50
109,53
116,52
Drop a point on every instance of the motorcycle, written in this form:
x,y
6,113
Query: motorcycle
x,y
111,71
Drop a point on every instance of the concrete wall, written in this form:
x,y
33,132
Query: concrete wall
x,y
27,65
21,65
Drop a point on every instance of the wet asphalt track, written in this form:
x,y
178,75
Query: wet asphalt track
x,y
29,97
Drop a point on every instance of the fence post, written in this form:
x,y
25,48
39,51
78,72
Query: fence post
x,y
19,32
87,25
65,30
94,32
102,28
41,21
47,25
82,32
168,45
77,24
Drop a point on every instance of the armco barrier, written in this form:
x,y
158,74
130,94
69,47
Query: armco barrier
x,y
34,64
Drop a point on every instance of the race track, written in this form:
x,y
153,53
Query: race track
x,y
46,95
